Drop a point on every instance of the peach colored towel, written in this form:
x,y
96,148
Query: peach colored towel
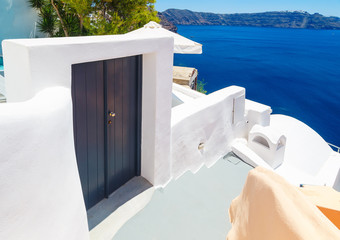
x,y
269,208
326,199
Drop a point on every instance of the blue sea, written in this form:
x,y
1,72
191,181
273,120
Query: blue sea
x,y
295,71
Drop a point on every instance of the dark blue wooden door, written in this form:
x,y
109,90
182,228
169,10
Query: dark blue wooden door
x,y
107,116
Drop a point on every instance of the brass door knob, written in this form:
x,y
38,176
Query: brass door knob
x,y
109,122
112,114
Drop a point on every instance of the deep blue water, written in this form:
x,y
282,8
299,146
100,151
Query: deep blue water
x,y
295,71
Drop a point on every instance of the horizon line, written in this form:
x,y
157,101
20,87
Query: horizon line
x,y
301,11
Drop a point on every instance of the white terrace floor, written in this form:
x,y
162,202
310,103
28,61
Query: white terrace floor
x,y
193,207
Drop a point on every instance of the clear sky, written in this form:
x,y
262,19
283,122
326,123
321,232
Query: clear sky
x,y
324,7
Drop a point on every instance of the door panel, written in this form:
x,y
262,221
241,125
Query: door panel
x,y
121,80
88,108
107,147
130,115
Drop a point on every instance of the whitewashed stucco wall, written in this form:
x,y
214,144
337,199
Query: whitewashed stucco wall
x,y
33,65
208,120
40,189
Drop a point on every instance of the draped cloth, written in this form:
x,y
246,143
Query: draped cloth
x,y
269,208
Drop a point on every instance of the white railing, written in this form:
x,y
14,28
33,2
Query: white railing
x,y
336,148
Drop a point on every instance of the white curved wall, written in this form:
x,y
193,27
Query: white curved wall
x,y
38,170
308,158
207,120
40,189
306,150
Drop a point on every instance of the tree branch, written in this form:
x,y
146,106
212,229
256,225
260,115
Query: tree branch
x,y
61,20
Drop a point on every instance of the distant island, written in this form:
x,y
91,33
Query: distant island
x,y
281,19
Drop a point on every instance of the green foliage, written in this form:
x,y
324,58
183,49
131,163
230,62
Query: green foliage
x,y
37,4
119,16
200,86
92,17
47,21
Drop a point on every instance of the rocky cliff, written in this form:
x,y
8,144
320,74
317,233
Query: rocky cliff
x,y
166,24
284,19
